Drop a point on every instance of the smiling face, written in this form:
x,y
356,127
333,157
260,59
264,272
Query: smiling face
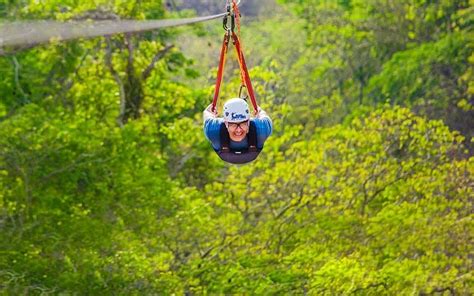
x,y
237,130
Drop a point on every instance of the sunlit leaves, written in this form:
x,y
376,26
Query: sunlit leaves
x,y
362,205
378,204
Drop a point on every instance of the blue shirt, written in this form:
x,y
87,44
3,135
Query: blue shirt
x,y
212,128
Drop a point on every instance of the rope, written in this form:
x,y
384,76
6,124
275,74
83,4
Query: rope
x,y
36,32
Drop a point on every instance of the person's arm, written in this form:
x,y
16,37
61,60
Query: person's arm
x,y
264,126
212,125
207,114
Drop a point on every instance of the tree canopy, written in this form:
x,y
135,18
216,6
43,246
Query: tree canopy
x,y
108,185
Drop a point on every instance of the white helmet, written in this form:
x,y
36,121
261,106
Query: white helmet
x,y
236,110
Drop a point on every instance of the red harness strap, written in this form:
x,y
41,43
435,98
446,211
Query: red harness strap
x,y
244,74
220,71
237,22
244,71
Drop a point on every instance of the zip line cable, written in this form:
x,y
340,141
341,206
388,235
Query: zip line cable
x,y
36,32
31,33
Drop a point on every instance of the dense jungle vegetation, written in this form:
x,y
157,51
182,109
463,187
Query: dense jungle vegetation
x,y
109,187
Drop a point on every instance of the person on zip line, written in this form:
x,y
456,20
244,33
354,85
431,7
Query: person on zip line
x,y
236,137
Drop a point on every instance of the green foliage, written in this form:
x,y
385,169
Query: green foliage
x,y
85,188
429,78
354,209
436,62
108,185
419,50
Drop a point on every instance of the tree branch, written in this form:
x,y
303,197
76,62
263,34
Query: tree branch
x,y
451,290
108,61
131,51
290,204
370,286
17,79
146,73
69,84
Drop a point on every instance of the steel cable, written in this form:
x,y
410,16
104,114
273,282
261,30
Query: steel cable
x,y
36,32
30,33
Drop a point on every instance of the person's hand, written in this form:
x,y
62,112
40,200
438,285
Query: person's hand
x,y
213,112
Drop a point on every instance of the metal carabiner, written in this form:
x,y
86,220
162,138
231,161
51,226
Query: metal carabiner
x,y
226,18
230,15
240,92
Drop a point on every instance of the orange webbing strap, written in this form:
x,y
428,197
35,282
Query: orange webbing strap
x,y
244,71
235,8
220,71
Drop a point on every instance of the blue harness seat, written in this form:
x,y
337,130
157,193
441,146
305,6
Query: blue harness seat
x,y
238,156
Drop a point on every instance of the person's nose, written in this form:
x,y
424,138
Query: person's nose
x,y
241,126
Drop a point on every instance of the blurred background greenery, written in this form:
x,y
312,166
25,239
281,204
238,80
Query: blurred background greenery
x,y
108,185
